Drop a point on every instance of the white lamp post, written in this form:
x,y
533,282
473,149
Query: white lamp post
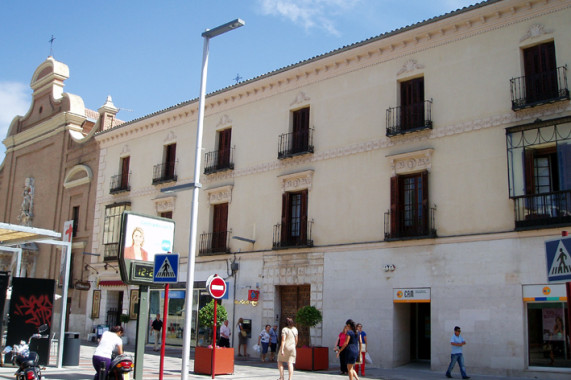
x,y
208,34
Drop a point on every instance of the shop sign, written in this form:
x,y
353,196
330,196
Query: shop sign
x,y
545,292
412,295
82,285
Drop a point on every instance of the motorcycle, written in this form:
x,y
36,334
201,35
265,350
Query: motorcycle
x,y
26,360
120,369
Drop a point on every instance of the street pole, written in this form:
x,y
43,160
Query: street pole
x,y
207,35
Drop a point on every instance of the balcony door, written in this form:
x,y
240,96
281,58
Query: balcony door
x,y
294,218
125,172
540,72
409,205
412,104
300,137
224,140
219,227
170,159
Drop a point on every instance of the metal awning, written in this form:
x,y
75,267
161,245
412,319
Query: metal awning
x,y
13,234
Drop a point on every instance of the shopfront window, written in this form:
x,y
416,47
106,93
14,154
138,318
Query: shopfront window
x,y
548,335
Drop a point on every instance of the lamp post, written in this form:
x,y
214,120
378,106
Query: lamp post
x,y
208,34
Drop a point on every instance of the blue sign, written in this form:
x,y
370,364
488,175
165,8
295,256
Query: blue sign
x,y
166,268
558,259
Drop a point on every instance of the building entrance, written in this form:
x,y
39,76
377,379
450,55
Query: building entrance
x,y
419,331
293,298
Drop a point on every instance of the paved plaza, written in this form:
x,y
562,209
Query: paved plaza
x,y
251,369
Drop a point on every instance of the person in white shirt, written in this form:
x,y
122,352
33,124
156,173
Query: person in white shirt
x,y
264,339
110,342
225,335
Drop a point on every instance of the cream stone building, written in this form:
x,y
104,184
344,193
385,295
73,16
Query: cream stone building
x,y
48,177
408,181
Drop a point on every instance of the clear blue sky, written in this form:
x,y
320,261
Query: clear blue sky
x,y
147,54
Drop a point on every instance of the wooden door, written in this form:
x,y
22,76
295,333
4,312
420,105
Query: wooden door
x,y
293,298
224,140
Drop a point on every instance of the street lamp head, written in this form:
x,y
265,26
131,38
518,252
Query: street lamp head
x,y
210,33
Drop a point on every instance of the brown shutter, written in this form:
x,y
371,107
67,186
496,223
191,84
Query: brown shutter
x,y
395,206
285,218
303,221
125,172
224,139
425,206
529,177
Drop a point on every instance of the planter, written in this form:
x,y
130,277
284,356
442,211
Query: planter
x,y
224,362
312,358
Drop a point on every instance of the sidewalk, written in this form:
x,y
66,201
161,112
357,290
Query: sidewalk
x,y
251,369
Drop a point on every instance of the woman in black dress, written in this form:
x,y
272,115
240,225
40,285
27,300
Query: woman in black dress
x,y
353,346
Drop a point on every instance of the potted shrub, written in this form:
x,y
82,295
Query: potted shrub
x,y
125,318
224,360
311,358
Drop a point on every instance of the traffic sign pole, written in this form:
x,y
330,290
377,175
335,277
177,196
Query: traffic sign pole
x,y
164,331
214,341
568,289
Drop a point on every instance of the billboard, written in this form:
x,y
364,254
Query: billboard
x,y
142,237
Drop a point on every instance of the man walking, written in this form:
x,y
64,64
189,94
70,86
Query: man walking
x,y
225,335
156,328
456,356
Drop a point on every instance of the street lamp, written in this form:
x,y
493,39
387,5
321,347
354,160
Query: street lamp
x,y
208,34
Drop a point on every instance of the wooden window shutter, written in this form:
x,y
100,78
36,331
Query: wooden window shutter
x,y
285,217
425,206
529,169
224,139
395,227
303,232
125,172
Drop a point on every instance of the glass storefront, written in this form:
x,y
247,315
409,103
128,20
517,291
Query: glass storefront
x,y
547,326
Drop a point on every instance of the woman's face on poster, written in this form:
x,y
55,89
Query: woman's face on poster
x,y
138,238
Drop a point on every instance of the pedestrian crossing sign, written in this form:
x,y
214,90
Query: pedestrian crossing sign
x,y
166,268
558,255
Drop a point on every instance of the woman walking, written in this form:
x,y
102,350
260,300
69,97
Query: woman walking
x,y
287,350
352,346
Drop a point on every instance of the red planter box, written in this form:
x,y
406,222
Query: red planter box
x,y
224,361
312,358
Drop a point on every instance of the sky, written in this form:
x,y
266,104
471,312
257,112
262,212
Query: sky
x,y
147,55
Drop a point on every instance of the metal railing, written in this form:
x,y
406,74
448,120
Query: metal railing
x,y
111,251
295,143
411,227
214,243
165,172
409,118
219,160
119,184
288,241
548,209
537,89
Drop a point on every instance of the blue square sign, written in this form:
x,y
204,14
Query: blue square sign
x,y
557,253
166,268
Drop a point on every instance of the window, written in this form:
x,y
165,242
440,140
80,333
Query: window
x,y
220,159
125,172
409,215
112,229
414,112
540,72
219,227
75,218
166,215
300,140
294,225
165,172
539,167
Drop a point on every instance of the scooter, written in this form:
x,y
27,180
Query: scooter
x,y
26,360
120,369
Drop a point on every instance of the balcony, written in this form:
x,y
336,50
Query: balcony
x,y
538,89
295,143
219,160
214,243
293,235
120,183
409,118
165,172
111,251
548,209
411,227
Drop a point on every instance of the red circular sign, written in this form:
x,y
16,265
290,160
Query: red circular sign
x,y
217,287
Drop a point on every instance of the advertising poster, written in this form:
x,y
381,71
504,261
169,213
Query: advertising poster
x,y
553,324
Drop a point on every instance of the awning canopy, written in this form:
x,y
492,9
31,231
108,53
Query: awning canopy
x,y
13,234
111,283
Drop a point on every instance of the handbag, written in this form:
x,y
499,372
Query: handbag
x,y
243,333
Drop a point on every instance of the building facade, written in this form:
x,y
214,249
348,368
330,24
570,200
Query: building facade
x,y
408,181
48,177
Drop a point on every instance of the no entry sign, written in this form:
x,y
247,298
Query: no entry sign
x,y
216,286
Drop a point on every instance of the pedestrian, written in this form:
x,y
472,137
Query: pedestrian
x,y
110,342
342,360
456,356
225,335
363,336
287,352
352,346
264,340
156,328
273,342
242,338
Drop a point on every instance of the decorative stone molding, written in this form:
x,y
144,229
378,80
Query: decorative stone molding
x,y
301,98
78,175
410,66
171,138
411,162
125,151
224,121
164,204
535,31
297,181
219,195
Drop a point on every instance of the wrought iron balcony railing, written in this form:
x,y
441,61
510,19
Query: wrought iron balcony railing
x,y
410,227
548,209
295,143
537,89
111,251
219,160
165,172
409,118
120,183
284,238
214,243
